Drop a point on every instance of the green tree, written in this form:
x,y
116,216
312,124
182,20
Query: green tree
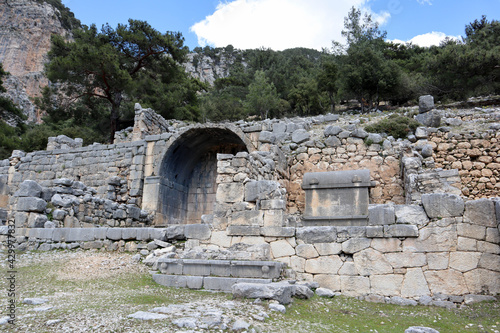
x,y
262,96
328,80
367,74
104,64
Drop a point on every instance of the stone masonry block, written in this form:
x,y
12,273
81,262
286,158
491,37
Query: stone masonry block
x,y
410,214
230,192
443,205
277,232
29,188
247,217
273,204
375,231
400,230
381,215
259,189
31,204
197,231
114,233
243,230
312,235
480,212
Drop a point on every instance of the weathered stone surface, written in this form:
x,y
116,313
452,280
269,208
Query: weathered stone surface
x,y
386,285
333,141
31,204
406,259
414,283
312,235
247,217
175,232
325,292
490,261
300,135
381,214
433,239
259,189
420,329
35,301
464,261
471,299
307,251
197,231
326,249
354,285
328,281
425,103
480,212
410,214
231,192
142,315
443,205
471,231
354,245
449,282
438,261
371,262
332,130
385,245
323,265
302,291
359,133
429,119
396,300
282,248
400,230
375,231
482,281
29,188
281,291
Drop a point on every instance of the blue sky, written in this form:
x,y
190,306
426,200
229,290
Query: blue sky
x,y
281,24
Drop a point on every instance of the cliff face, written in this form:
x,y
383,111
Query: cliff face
x,y
25,30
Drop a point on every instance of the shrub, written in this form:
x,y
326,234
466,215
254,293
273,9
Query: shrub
x,y
395,125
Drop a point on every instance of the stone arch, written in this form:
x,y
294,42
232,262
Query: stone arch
x,y
188,171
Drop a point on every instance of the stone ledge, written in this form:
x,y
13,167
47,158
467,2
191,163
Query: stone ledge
x,y
206,282
91,234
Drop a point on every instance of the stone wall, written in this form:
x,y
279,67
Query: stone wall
x,y
444,247
475,156
247,177
93,165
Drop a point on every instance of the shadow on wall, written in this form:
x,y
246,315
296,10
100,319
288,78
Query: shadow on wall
x,y
188,174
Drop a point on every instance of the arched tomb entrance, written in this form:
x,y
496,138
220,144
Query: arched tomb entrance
x,y
188,173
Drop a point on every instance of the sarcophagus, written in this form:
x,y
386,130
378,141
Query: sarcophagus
x,y
337,198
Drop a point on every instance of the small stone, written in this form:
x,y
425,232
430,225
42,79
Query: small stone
x,y
419,329
277,307
325,292
142,315
240,325
52,322
35,301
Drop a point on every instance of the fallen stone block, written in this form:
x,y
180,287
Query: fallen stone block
x,y
279,291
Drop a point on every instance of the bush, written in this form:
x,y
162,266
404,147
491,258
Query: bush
x,y
395,125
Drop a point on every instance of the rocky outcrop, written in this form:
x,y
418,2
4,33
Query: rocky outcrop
x,y
208,69
25,30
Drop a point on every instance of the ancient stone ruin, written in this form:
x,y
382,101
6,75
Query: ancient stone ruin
x,y
312,199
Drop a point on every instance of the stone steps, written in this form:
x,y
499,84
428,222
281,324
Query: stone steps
x,y
219,275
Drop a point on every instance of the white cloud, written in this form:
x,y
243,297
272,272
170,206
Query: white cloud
x,y
424,2
428,39
278,24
